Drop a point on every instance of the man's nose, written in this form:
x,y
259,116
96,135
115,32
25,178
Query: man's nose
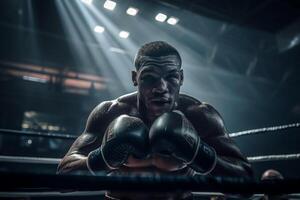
x,y
160,87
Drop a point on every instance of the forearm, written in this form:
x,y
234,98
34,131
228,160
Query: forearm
x,y
232,167
209,161
72,163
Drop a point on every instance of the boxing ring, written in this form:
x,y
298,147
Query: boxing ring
x,y
83,184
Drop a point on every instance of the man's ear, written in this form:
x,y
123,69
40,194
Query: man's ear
x,y
181,77
134,77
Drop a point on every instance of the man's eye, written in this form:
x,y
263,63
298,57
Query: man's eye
x,y
174,76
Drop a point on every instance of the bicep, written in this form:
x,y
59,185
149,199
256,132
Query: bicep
x,y
211,129
88,141
92,136
217,135
225,147
230,160
85,143
75,159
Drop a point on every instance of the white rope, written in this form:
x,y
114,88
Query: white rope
x,y
73,137
51,194
274,157
265,129
34,160
102,193
83,193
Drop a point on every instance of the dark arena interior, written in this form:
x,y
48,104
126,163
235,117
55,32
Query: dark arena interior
x,y
60,58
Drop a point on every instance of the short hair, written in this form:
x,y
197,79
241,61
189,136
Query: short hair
x,y
155,49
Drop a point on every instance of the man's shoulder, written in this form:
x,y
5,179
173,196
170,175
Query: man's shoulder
x,y
203,116
130,98
106,111
186,101
189,103
120,105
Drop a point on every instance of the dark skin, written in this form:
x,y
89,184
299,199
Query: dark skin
x,y
158,83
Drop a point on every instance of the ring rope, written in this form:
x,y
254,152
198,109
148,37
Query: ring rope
x,y
274,157
38,134
265,129
82,193
51,194
55,161
29,160
73,137
102,193
162,183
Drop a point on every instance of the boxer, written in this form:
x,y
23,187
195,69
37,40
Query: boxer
x,y
156,130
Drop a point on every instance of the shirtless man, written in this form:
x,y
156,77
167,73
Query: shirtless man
x,y
156,129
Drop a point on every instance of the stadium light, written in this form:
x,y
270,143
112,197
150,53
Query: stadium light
x,y
132,11
161,17
110,5
99,29
172,21
124,34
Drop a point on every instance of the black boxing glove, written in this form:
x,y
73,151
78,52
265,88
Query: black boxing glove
x,y
124,136
172,134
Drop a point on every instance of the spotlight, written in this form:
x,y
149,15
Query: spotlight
x,y
110,5
132,11
172,20
161,17
99,29
88,2
124,34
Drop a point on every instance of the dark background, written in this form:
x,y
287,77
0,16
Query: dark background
x,y
242,57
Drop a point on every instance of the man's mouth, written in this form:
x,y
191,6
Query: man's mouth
x,y
160,101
